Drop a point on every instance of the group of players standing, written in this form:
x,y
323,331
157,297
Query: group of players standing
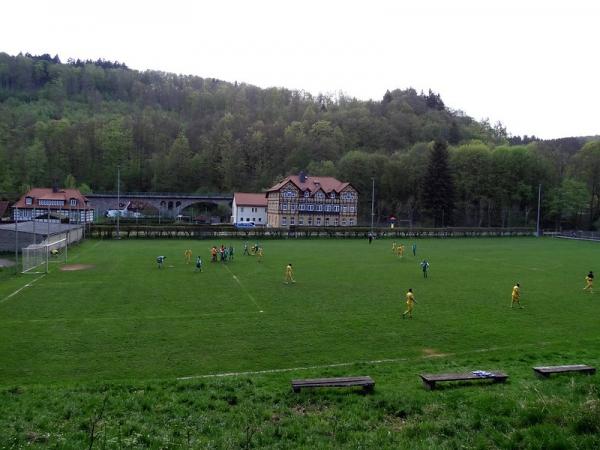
x,y
223,254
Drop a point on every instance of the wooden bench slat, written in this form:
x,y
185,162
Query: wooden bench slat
x,y
546,371
366,382
429,380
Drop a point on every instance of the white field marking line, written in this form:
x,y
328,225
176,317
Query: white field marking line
x,y
100,319
244,289
353,363
85,250
20,289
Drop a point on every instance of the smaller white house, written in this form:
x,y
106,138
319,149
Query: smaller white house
x,y
249,207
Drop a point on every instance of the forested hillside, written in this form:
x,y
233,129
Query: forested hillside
x,y
74,123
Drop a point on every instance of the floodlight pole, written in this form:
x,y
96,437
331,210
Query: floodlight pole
x,y
118,199
372,203
538,231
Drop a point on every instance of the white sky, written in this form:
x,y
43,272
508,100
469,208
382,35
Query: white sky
x,y
532,65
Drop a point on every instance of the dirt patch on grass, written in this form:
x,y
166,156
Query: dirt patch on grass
x,y
433,353
73,267
6,262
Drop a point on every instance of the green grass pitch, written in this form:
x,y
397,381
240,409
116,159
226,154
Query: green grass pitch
x,y
126,319
124,355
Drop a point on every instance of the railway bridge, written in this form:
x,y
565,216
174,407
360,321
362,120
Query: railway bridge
x,y
168,204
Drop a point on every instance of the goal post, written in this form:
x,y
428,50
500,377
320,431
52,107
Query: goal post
x,y
36,258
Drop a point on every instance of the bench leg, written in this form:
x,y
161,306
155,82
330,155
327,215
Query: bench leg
x,y
430,385
296,389
542,375
368,389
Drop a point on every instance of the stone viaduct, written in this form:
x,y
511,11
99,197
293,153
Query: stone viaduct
x,y
166,203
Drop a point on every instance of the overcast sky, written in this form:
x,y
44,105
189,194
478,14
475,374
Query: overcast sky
x,y
532,65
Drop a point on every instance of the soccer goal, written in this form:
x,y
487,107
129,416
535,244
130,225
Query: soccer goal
x,y
37,257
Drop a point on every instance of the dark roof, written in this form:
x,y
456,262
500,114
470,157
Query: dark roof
x,y
3,207
313,184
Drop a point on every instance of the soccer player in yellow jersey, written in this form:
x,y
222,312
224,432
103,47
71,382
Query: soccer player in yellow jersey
x,y
410,301
394,248
516,295
589,280
401,250
289,274
188,256
259,253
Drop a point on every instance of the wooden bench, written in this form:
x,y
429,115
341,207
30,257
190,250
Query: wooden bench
x,y
367,383
429,380
546,371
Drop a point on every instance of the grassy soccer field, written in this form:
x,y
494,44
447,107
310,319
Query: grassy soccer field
x,y
125,321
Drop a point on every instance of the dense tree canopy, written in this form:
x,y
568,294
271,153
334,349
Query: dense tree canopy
x,y
75,123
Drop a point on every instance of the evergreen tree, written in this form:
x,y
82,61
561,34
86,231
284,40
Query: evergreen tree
x,y
438,186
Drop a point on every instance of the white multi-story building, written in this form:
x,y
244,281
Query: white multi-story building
x,y
303,201
249,207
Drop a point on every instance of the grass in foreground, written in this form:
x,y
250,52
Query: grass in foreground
x,y
94,355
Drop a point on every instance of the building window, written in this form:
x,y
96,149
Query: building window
x,y
344,222
326,221
318,221
284,221
289,194
254,219
260,219
73,202
320,195
309,221
301,207
336,221
344,209
311,207
284,206
293,207
328,208
336,208
319,207
352,209
306,194
332,195
351,222
28,200
242,209
292,220
52,202
301,221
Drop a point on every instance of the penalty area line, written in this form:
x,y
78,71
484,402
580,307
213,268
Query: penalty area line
x,y
21,288
237,280
85,250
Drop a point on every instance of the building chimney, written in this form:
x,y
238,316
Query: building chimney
x,y
54,187
302,176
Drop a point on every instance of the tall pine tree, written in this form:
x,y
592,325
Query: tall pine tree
x,y
438,186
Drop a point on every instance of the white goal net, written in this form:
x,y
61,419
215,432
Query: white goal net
x,y
37,257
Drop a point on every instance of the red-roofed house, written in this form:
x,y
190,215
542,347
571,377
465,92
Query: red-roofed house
x,y
300,200
249,207
64,203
